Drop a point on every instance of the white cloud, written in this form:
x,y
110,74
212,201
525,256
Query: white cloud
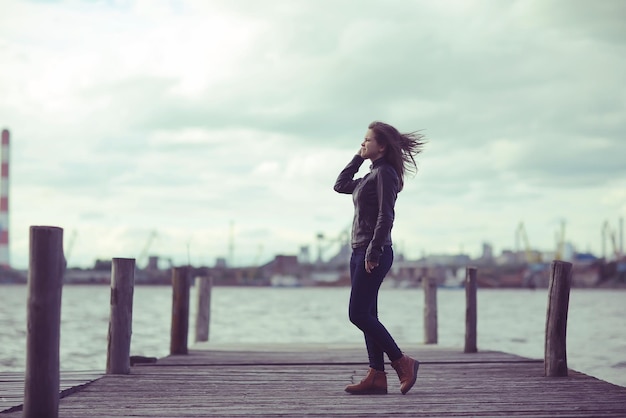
x,y
180,117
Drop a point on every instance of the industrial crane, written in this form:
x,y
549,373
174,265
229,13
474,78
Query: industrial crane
x,y
343,237
70,246
146,248
521,235
607,233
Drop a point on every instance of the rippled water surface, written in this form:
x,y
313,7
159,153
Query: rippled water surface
x,y
508,320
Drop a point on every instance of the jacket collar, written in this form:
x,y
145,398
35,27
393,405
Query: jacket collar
x,y
378,163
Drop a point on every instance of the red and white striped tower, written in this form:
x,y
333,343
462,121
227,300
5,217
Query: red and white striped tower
x,y
4,202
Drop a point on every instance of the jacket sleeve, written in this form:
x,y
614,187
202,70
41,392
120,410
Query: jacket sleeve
x,y
387,192
345,183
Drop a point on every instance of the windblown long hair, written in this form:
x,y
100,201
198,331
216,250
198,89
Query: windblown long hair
x,y
400,148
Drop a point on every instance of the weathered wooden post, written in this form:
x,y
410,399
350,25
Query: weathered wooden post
x,y
45,285
471,310
204,286
555,361
430,309
121,317
180,310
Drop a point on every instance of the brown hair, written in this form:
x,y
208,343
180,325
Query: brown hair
x,y
400,148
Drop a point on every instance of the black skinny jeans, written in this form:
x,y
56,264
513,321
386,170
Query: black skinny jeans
x,y
363,308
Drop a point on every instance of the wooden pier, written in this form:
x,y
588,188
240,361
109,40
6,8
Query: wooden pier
x,y
287,380
299,380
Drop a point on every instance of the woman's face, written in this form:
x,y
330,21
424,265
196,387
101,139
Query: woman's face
x,y
370,148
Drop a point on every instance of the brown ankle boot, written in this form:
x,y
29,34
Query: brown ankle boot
x,y
406,367
375,383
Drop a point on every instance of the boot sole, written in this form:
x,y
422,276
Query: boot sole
x,y
370,392
415,368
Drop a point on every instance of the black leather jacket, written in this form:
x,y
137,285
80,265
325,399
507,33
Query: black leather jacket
x,y
374,198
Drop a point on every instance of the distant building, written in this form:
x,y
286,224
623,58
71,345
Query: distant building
x,y
284,265
487,255
220,263
448,260
5,259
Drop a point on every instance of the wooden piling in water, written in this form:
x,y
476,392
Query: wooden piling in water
x,y
471,311
204,287
45,285
555,353
180,311
430,309
121,317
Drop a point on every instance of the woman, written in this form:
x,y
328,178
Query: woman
x,y
392,155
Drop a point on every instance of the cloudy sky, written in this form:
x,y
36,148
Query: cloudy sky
x,y
201,120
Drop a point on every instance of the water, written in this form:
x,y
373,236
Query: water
x,y
508,320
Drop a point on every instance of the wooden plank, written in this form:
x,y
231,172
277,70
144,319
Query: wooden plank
x,y
298,390
12,386
324,354
283,382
